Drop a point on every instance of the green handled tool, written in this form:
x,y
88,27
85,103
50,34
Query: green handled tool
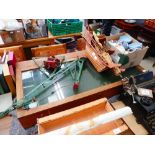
x,y
75,66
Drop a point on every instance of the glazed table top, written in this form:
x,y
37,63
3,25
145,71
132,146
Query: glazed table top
x,y
90,79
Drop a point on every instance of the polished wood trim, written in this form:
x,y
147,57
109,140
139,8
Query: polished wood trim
x,y
39,41
74,115
126,26
82,113
29,117
30,65
50,50
5,125
18,51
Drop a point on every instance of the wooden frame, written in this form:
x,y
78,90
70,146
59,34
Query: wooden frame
x,y
28,118
18,51
82,113
39,41
50,50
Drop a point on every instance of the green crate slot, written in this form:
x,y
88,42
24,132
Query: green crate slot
x,y
65,28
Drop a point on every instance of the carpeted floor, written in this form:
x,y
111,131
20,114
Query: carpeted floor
x,y
17,129
147,64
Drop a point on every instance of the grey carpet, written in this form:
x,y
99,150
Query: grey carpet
x,y
17,129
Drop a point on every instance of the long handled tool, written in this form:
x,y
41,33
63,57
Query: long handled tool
x,y
52,79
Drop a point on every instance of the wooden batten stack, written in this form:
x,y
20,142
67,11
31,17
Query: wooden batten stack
x,y
99,54
94,59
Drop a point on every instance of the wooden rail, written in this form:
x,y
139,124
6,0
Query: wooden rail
x,y
38,41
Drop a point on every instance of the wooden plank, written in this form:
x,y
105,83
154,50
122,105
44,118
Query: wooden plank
x,y
82,113
93,104
123,129
140,68
18,51
28,65
76,114
97,62
28,117
5,125
130,120
39,41
19,83
81,44
50,50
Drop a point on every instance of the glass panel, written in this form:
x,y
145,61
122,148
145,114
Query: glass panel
x,y
90,79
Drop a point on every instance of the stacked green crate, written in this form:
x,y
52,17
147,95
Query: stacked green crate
x,y
74,27
64,28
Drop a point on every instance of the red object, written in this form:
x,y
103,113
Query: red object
x,y
51,63
76,86
12,59
12,72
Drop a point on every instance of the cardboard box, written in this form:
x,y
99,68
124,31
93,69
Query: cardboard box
x,y
6,37
115,30
12,36
19,35
134,57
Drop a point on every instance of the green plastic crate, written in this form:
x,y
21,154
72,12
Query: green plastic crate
x,y
64,28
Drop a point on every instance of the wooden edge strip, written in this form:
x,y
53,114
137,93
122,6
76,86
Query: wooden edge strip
x,y
118,130
71,111
73,98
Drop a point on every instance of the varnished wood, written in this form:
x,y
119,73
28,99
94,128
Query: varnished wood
x,y
30,65
97,63
5,125
152,30
140,68
39,41
29,117
99,53
19,83
18,51
74,115
126,26
79,114
49,50
81,44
